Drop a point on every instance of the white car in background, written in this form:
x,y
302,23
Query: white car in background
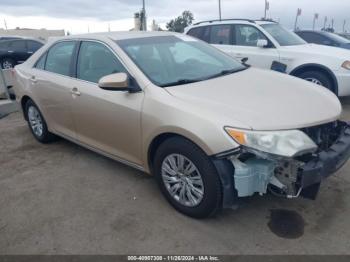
x,y
266,44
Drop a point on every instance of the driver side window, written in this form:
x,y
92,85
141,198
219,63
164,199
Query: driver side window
x,y
96,61
246,35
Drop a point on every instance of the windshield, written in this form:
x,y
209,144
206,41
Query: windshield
x,y
283,36
176,60
337,38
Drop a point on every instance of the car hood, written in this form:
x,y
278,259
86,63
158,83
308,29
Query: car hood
x,y
322,50
261,100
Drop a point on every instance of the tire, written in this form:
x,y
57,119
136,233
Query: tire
x,y
207,204
37,123
318,78
7,63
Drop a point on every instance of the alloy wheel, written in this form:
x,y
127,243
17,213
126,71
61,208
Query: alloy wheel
x,y
35,121
183,180
7,65
314,80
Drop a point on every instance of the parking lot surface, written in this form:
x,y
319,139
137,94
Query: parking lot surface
x,y
63,199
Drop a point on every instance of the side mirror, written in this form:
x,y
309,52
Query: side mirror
x,y
244,60
262,43
115,82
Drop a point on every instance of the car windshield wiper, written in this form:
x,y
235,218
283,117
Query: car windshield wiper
x,y
227,72
181,82
189,81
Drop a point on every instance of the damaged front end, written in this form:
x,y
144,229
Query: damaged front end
x,y
290,177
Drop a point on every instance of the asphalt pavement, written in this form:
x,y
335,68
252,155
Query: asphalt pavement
x,y
64,199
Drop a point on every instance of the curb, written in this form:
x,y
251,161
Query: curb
x,y
7,107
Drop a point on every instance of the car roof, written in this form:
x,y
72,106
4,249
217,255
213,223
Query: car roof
x,y
312,31
115,36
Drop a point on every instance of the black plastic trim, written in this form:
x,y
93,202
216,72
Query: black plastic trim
x,y
325,164
226,172
334,79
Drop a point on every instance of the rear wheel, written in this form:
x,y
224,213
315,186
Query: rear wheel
x,y
37,123
7,63
318,78
187,178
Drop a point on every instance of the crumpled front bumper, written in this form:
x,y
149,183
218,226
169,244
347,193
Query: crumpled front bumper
x,y
311,173
325,164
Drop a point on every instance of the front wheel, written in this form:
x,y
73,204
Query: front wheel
x,y
318,78
187,178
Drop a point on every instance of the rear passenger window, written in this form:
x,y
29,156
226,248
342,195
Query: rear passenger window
x,y
59,58
4,44
18,45
33,45
96,61
202,33
196,32
220,35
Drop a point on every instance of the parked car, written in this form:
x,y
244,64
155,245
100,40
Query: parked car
x,y
324,38
210,129
14,52
268,45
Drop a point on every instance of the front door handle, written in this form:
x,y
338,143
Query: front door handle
x,y
75,92
33,80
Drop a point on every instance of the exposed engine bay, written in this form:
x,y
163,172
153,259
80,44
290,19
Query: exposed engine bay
x,y
258,172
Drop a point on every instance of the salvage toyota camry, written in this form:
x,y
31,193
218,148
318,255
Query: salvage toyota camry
x,y
210,129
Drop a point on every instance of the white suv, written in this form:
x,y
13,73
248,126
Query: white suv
x,y
266,44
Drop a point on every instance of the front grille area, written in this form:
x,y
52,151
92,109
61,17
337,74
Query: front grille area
x,y
325,135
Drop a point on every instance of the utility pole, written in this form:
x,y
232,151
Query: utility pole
x,y
267,8
143,17
220,10
315,18
333,23
5,24
344,24
299,11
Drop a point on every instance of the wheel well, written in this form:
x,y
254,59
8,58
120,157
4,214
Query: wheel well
x,y
319,68
24,101
156,142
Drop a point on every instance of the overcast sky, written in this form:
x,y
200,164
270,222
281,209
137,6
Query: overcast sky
x,y
77,16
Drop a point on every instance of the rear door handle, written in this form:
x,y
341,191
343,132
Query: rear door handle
x,y
30,52
75,92
10,51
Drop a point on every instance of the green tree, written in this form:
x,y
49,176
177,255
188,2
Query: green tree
x,y
180,23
